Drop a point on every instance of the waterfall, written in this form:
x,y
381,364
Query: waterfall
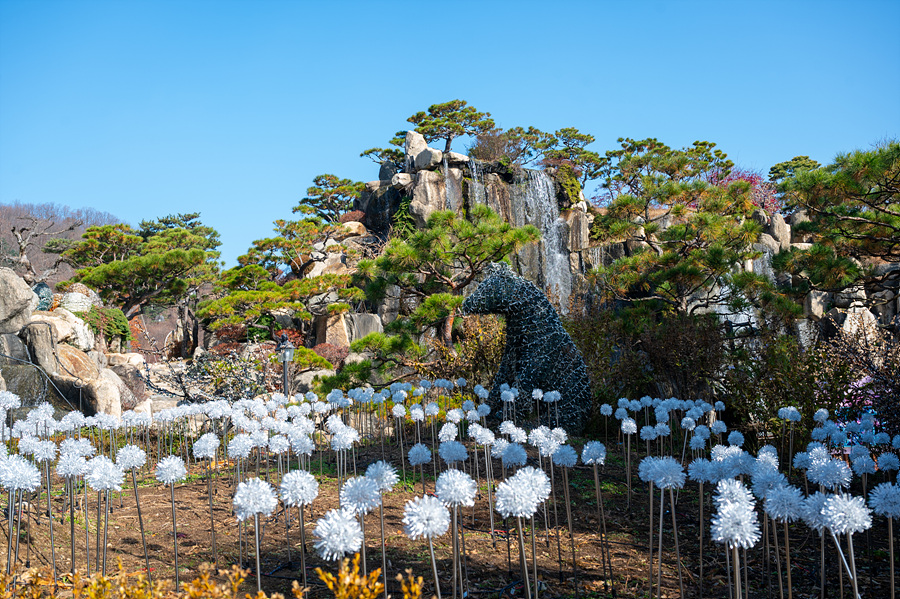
x,y
476,193
537,197
453,193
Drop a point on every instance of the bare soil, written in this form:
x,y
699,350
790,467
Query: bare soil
x,y
491,562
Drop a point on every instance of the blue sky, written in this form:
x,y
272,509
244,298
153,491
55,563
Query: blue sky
x,y
230,108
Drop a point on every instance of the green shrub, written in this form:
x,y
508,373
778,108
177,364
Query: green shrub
x,y
108,322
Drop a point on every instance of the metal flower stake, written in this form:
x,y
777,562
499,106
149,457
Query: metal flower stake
x,y
426,517
132,457
455,488
299,489
385,477
252,498
206,448
169,471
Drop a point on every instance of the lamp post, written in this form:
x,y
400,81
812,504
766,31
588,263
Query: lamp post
x,y
287,356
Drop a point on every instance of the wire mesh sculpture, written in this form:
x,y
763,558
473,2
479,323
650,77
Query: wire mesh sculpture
x,y
539,353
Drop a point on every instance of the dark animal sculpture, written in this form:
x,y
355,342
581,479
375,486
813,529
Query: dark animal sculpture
x,y
539,353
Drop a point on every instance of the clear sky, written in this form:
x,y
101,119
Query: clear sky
x,y
230,108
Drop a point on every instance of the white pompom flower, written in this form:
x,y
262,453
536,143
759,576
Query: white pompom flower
x,y
455,488
254,497
513,455
131,457
448,432
298,488
425,517
419,454
206,446
170,470
888,461
784,503
884,500
565,456
45,451
669,474
537,480
384,475
516,498
104,475
71,465
17,474
594,452
452,452
337,534
736,525
360,495
844,514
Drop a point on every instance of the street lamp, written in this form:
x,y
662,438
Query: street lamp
x,y
287,356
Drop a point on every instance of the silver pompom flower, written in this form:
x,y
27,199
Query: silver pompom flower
x,y
360,495
455,488
884,500
170,470
385,475
736,525
594,452
425,517
516,498
252,498
564,456
130,457
419,454
846,514
784,503
338,533
452,452
17,474
299,488
104,475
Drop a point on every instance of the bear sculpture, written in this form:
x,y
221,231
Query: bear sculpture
x,y
539,353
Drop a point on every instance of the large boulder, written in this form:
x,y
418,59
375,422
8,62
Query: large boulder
x,y
17,301
428,159
80,298
351,229
780,231
68,328
62,329
429,195
815,304
860,324
412,146
850,296
127,399
305,381
798,217
360,325
12,346
129,373
38,338
332,328
402,180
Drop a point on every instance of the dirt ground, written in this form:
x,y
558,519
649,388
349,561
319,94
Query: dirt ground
x,y
491,562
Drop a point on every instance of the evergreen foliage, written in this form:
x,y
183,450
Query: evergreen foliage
x,y
164,261
329,197
450,120
853,207
433,267
693,263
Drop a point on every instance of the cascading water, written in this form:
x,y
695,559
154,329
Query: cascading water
x,y
537,197
476,189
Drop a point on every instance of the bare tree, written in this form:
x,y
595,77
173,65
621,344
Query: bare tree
x,y
27,235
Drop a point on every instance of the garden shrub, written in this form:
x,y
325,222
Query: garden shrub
x,y
107,322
